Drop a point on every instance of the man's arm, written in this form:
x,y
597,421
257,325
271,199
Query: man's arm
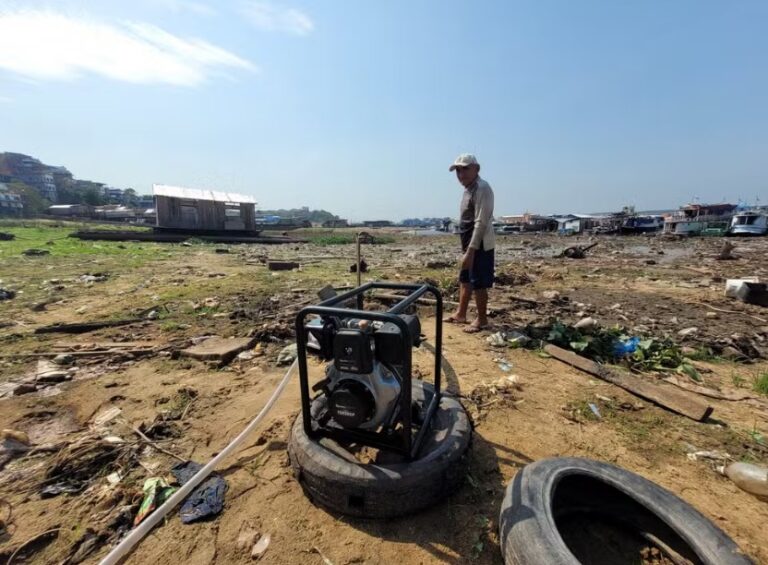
x,y
483,215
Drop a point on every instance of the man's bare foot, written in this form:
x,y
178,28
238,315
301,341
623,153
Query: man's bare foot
x,y
454,319
475,327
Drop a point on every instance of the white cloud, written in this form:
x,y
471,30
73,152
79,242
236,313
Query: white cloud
x,y
47,45
270,17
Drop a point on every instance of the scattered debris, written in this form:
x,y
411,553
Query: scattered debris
x,y
282,265
260,548
586,324
711,455
50,373
85,326
287,354
35,252
438,264
748,477
156,492
94,278
7,294
669,398
363,267
726,253
247,537
752,293
82,461
14,444
512,279
218,349
63,359
26,551
577,251
508,339
206,500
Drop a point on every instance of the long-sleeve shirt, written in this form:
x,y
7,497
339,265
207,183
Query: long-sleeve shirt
x,y
476,216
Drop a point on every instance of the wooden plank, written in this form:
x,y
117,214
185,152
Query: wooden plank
x,y
86,327
666,397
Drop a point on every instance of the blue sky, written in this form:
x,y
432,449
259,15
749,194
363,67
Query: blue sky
x,y
359,107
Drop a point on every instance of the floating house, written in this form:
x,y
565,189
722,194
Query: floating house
x,y
192,209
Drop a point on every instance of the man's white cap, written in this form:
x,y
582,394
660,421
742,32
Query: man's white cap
x,y
464,160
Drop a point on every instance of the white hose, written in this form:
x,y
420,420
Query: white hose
x,y
136,535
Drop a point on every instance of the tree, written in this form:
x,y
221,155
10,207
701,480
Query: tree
x,y
130,197
33,203
93,196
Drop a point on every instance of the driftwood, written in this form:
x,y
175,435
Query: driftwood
x,y
577,251
86,326
88,353
666,397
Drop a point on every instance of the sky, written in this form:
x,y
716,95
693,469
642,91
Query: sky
x,y
359,107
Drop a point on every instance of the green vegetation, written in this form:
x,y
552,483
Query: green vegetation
x,y
340,238
704,354
761,383
30,197
54,238
606,345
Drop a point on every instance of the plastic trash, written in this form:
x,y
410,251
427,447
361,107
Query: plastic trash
x,y
156,491
206,500
625,347
732,286
748,477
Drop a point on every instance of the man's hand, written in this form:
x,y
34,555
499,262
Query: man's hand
x,y
468,259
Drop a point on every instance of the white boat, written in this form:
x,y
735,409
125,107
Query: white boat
x,y
750,222
697,218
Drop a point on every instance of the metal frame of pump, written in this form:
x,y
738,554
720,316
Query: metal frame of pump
x,y
398,440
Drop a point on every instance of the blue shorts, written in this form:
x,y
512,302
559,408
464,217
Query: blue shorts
x,y
481,274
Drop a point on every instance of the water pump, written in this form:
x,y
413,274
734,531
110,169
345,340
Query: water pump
x,y
366,394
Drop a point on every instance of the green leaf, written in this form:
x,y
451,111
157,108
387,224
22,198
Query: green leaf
x,y
645,344
691,371
579,345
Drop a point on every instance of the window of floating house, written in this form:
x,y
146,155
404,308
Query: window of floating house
x,y
232,210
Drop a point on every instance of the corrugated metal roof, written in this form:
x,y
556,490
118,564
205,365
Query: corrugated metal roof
x,y
198,194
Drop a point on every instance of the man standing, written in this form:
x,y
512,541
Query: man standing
x,y
477,242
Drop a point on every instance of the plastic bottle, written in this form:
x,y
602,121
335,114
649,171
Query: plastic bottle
x,y
748,477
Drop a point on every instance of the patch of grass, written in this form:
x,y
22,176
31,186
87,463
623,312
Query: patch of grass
x,y
55,239
760,383
170,326
737,380
704,354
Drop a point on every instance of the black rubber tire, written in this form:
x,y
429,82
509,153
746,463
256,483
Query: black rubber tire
x,y
333,479
527,522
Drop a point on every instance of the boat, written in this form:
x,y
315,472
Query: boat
x,y
641,224
750,222
695,219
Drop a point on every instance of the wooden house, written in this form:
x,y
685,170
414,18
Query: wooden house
x,y
192,209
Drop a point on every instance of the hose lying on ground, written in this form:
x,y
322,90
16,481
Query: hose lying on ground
x,y
136,535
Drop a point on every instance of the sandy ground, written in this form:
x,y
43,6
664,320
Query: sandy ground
x,y
544,417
